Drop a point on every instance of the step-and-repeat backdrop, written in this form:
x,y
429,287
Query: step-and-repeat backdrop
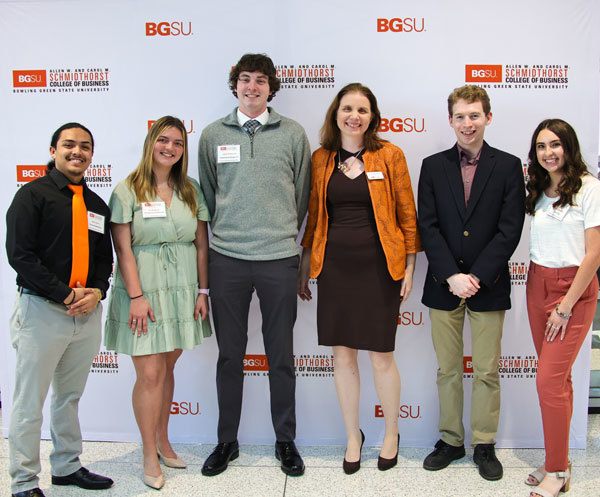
x,y
118,65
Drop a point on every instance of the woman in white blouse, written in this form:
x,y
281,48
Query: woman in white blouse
x,y
562,288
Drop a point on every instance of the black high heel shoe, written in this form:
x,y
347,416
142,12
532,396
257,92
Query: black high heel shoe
x,y
353,467
384,464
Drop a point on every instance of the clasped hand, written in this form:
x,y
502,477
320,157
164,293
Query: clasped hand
x,y
85,300
463,285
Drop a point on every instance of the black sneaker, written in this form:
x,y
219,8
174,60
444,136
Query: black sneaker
x,y
484,456
443,455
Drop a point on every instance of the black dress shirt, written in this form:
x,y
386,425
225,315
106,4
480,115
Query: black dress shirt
x,y
39,239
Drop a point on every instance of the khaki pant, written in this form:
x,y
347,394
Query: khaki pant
x,y
486,335
52,348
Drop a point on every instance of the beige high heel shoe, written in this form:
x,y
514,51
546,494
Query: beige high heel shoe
x,y
537,476
155,482
172,462
563,475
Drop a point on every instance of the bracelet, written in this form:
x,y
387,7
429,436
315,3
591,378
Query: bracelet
x,y
203,291
73,299
564,315
136,297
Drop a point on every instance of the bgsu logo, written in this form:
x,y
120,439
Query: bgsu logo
x,y
175,28
256,362
185,408
401,25
406,318
480,73
29,78
25,174
402,125
405,412
468,364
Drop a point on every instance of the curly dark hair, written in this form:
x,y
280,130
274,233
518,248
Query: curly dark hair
x,y
252,62
573,170
331,138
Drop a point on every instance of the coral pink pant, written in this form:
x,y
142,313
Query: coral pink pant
x,y
546,287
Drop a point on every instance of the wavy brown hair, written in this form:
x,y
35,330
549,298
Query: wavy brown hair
x,y
573,170
331,136
142,180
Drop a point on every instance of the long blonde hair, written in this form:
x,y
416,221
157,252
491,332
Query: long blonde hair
x,y
142,179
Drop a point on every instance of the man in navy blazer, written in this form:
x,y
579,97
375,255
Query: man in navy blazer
x,y
471,211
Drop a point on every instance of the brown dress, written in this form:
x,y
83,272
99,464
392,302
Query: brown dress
x,y
358,301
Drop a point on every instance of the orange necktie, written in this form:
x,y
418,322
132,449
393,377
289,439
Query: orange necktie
x,y
81,249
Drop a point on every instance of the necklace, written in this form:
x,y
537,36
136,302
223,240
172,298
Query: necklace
x,y
345,166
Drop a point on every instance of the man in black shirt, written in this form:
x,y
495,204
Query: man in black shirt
x,y
58,242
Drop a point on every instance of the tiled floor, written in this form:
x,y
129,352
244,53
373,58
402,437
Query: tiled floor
x,y
256,473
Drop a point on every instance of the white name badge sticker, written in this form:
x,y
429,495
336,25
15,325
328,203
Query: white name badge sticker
x,y
96,222
228,153
153,209
371,175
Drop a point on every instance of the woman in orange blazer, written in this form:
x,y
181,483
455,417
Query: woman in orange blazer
x,y
360,243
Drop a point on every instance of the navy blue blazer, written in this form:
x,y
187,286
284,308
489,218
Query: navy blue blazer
x,y
477,238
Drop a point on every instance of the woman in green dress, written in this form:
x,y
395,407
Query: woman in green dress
x,y
159,301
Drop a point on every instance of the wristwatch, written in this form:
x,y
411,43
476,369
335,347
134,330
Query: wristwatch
x,y
564,315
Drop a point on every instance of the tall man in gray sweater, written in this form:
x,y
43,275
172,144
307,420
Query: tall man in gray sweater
x,y
254,168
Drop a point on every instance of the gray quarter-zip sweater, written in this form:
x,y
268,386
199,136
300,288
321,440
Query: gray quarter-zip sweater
x,y
257,205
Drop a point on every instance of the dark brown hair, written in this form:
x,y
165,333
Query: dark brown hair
x,y
56,136
331,138
573,170
252,62
471,94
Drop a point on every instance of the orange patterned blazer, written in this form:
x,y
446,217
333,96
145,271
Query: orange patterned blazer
x,y
393,205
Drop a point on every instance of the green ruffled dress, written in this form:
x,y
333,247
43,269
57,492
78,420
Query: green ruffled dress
x,y
167,266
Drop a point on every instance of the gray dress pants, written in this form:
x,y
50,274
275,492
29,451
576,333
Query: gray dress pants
x,y
52,348
232,282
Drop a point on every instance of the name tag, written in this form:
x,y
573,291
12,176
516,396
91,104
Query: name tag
x,y
558,213
154,209
228,153
96,222
374,175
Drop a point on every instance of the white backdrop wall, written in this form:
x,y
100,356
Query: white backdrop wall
x,y
116,65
